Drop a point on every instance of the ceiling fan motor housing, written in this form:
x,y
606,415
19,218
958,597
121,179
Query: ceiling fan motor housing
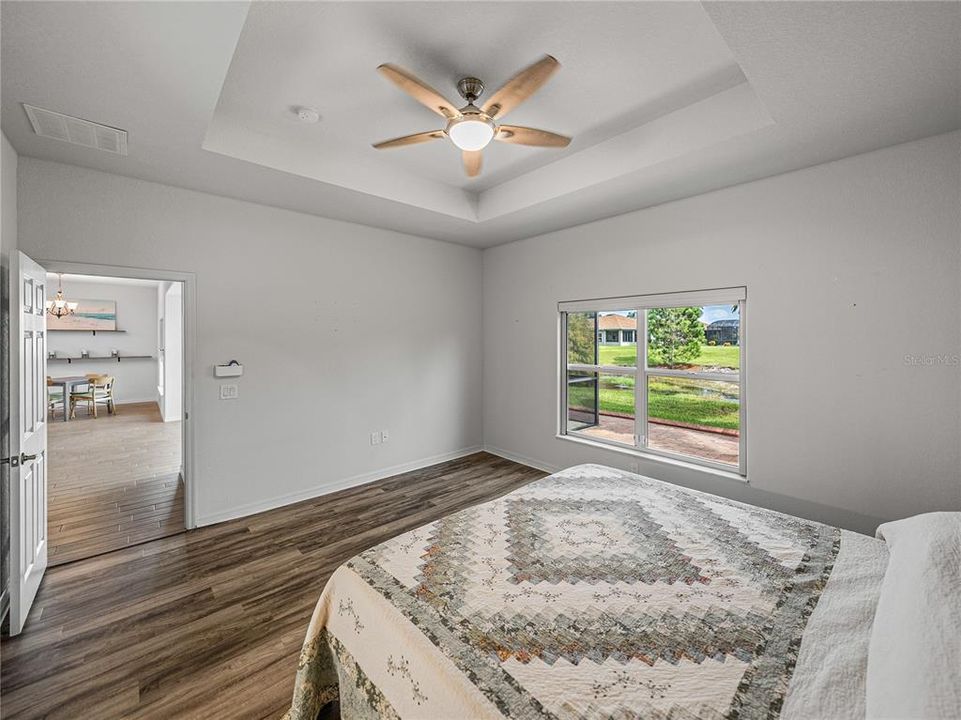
x,y
470,88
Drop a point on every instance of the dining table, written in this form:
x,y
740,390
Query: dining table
x,y
68,384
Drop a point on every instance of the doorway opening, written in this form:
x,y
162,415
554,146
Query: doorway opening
x,y
115,414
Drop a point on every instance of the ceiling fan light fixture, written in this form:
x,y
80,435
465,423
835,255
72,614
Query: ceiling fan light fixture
x,y
471,132
471,128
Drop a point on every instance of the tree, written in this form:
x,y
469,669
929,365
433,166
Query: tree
x,y
675,335
580,338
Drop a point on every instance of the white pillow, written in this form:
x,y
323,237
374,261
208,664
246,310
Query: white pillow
x,y
914,658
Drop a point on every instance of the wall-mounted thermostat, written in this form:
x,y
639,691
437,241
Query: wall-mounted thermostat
x,y
231,369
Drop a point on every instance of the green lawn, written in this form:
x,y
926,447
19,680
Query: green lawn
x,y
618,400
716,356
699,402
693,401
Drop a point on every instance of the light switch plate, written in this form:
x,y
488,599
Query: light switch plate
x,y
228,392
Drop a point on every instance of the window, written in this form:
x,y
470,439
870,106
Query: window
x,y
671,384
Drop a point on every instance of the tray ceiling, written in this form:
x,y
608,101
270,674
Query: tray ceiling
x,y
663,100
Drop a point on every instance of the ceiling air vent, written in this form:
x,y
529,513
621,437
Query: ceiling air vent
x,y
47,123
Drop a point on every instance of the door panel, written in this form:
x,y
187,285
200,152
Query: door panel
x,y
28,549
26,390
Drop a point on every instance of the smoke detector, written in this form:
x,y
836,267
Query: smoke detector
x,y
307,115
76,131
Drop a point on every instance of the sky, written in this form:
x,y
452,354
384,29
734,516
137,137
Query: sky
x,y
710,313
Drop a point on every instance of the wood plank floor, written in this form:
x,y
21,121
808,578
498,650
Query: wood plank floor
x,y
113,481
209,623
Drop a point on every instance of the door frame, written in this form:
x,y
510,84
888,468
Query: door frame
x,y
189,281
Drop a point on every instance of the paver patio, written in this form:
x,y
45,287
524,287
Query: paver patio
x,y
669,438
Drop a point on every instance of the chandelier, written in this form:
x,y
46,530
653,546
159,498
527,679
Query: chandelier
x,y
58,307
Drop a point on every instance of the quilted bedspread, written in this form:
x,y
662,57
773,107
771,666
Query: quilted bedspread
x,y
593,593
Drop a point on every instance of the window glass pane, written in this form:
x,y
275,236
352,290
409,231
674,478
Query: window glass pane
x,y
697,418
617,338
704,339
582,398
601,406
582,338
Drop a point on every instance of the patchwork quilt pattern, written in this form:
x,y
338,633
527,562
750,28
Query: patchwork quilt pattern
x,y
593,593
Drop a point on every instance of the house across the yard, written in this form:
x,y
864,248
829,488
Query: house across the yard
x,y
616,330
723,331
622,330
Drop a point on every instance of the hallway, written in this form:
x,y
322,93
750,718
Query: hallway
x,y
113,481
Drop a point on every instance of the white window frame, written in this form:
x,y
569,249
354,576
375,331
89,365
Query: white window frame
x,y
642,372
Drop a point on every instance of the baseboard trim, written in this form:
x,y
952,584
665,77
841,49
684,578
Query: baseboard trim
x,y
522,459
135,401
362,479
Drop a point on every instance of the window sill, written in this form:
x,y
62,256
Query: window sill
x,y
663,459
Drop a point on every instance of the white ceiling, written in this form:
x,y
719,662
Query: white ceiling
x,y
324,55
664,100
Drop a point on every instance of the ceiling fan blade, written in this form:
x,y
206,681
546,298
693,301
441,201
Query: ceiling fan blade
x,y
520,87
419,90
410,139
472,162
530,136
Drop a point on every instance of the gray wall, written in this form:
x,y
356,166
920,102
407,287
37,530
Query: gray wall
x,y
343,330
850,267
8,246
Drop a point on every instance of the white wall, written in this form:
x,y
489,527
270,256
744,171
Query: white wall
x,y
850,266
343,330
136,380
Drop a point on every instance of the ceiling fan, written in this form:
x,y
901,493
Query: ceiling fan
x,y
471,128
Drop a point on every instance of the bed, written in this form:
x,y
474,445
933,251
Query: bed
x,y
597,593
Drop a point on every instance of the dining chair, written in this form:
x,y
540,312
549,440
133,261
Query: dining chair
x,y
99,392
54,398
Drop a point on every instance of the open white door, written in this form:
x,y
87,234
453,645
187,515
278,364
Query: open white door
x,y
28,438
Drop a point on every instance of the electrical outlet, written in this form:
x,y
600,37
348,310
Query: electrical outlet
x,y
375,438
228,392
384,435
